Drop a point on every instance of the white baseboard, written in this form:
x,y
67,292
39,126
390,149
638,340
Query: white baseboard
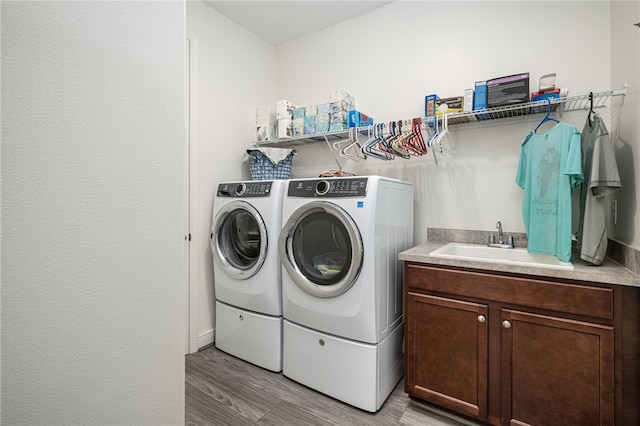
x,y
206,338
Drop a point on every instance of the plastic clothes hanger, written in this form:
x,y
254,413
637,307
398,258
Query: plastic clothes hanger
x,y
546,117
432,136
406,139
392,139
396,141
419,137
374,141
351,142
438,143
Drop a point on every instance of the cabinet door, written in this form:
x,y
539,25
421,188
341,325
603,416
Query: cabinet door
x,y
556,371
446,359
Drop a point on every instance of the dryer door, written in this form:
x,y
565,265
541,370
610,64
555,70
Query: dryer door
x,y
321,248
239,240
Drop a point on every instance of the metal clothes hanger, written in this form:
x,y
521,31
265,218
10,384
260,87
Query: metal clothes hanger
x,y
547,117
590,117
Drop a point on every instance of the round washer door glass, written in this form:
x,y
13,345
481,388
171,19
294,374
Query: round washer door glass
x,y
321,249
239,240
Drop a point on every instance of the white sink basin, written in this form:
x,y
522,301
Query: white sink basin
x,y
516,256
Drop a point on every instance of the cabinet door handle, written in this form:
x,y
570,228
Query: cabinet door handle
x,y
482,319
506,324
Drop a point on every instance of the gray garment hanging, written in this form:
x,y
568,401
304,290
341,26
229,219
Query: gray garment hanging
x,y
601,177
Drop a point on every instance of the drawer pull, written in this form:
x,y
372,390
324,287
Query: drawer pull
x,y
482,319
506,324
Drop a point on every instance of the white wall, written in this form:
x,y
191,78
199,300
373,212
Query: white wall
x,y
93,141
234,73
392,57
625,69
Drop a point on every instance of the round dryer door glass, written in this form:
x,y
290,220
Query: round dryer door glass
x,y
239,240
322,250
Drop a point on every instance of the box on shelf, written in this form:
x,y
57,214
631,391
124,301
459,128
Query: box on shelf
x,y
480,98
547,82
309,124
298,112
284,109
468,100
345,97
540,96
430,108
265,133
311,110
265,115
338,116
508,90
324,108
285,128
337,126
358,119
322,122
480,95
447,105
340,107
298,127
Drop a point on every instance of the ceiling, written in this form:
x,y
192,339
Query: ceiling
x,y
278,22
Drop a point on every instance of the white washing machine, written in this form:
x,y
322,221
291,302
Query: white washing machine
x,y
247,218
342,285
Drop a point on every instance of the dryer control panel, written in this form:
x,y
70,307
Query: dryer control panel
x,y
331,187
245,189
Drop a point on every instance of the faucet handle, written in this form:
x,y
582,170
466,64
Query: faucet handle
x,y
512,241
492,239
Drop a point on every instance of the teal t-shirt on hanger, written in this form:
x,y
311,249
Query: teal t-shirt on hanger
x,y
550,168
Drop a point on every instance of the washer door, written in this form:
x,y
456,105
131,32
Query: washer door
x,y
321,248
239,240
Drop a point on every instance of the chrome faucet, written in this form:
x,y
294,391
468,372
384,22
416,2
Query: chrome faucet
x,y
501,243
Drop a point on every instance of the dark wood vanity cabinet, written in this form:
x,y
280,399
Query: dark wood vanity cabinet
x,y
515,350
446,352
556,371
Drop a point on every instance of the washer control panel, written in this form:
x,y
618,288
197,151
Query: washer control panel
x,y
245,189
329,187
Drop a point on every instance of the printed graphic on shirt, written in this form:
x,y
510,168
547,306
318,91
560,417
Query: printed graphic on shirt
x,y
549,171
548,178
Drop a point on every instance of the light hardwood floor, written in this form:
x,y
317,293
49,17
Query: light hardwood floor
x,y
224,390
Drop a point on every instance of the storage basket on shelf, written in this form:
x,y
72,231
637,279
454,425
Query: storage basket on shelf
x,y
270,163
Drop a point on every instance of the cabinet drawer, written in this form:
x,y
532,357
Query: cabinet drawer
x,y
576,299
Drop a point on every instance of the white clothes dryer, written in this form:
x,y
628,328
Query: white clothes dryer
x,y
247,219
342,285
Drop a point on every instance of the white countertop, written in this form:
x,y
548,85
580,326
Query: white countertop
x,y
609,272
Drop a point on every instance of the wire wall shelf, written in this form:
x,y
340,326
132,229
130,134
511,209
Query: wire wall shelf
x,y
299,140
560,105
478,117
